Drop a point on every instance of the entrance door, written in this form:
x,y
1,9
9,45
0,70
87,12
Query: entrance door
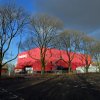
x,y
29,69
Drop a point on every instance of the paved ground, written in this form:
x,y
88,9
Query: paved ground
x,y
65,87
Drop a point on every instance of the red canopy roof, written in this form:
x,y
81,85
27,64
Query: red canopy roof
x,y
53,59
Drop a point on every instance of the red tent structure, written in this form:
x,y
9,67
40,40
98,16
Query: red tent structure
x,y
54,58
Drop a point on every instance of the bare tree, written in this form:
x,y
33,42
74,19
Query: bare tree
x,y
69,41
96,53
44,28
86,46
12,22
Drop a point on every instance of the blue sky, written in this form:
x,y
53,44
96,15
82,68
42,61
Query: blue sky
x,y
29,5
82,15
30,8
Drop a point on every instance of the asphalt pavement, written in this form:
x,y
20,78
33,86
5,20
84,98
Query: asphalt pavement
x,y
72,87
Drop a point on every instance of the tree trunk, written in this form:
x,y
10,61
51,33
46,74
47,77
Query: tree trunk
x,y
87,67
0,62
42,71
0,70
42,67
99,69
69,68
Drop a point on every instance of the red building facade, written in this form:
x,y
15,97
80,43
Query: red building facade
x,y
54,58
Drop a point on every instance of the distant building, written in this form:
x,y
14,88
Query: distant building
x,y
92,68
55,60
4,69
